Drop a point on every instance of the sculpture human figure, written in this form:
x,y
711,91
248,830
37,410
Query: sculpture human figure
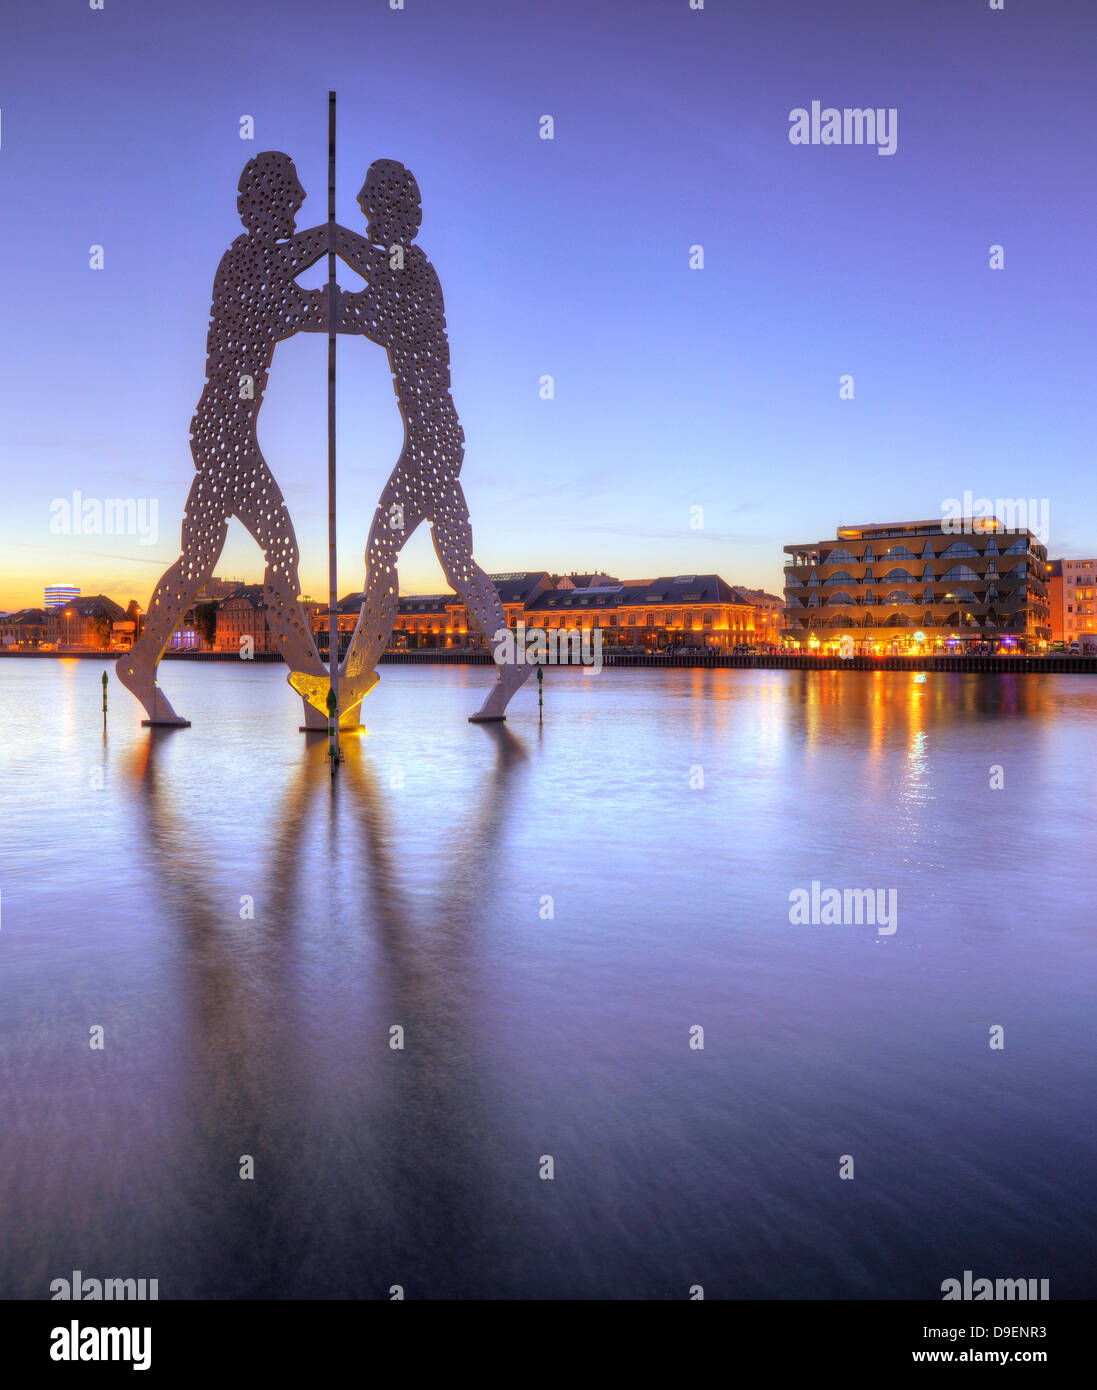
x,y
255,305
401,308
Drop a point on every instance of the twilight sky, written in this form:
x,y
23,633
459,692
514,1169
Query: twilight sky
x,y
674,388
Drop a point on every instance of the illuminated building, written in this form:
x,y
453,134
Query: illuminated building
x,y
243,614
29,627
693,611
87,624
696,611
910,586
57,595
1072,585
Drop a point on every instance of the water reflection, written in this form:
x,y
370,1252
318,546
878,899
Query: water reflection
x,y
410,901
266,998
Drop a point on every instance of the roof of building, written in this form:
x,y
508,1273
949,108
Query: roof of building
x,y
684,588
578,598
942,525
668,589
426,603
520,586
95,605
754,594
250,593
584,581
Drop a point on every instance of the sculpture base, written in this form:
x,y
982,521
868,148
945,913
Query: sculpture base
x,y
165,723
487,718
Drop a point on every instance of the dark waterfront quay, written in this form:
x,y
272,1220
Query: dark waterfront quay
x,y
991,665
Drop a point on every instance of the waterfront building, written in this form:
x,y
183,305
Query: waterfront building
x,y
243,614
123,635
769,615
28,628
685,610
671,611
216,589
917,586
57,595
667,612
87,623
1072,586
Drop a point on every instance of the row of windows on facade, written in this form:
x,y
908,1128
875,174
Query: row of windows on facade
x,y
958,550
901,597
904,576
598,619
957,618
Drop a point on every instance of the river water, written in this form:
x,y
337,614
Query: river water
x,y
547,912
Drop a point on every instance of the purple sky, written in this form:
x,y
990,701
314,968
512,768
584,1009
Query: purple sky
x,y
674,388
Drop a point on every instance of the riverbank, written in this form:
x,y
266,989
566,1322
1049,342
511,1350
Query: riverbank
x,y
1057,662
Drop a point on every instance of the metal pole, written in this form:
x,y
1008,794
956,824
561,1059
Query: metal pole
x,y
333,577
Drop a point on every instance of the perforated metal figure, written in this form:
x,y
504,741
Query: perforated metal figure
x,y
255,305
402,309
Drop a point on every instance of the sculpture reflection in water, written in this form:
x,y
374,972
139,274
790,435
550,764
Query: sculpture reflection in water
x,y
284,1032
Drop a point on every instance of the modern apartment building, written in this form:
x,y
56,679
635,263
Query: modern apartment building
x,y
917,586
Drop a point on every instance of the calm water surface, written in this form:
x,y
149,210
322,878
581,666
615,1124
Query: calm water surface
x,y
412,896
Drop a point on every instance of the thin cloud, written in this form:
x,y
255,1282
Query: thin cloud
x,y
716,537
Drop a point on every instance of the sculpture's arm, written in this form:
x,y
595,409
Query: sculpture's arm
x,y
353,249
306,248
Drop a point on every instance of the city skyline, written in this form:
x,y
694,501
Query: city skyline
x,y
675,388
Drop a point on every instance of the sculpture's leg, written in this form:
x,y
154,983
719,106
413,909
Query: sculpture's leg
x,y
452,534
267,519
377,617
203,538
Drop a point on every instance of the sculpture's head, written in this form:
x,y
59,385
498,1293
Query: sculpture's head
x,y
390,199
270,195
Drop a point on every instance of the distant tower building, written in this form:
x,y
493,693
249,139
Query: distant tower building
x,y
57,595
